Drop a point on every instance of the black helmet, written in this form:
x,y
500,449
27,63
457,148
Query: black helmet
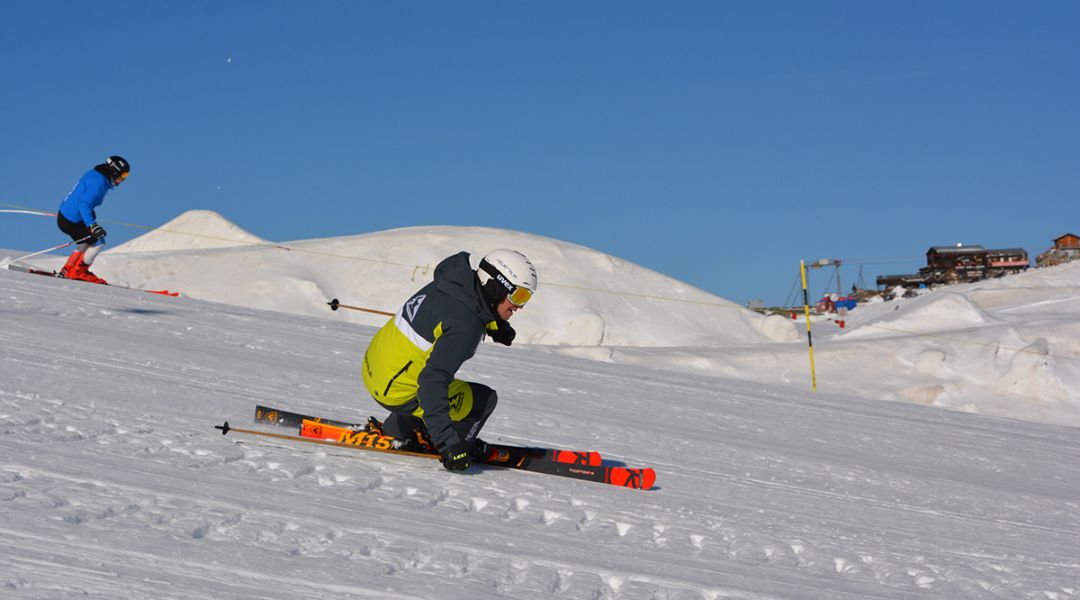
x,y
118,168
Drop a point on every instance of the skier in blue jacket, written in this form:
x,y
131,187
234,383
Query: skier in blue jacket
x,y
76,216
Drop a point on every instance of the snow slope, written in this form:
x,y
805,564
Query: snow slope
x,y
113,483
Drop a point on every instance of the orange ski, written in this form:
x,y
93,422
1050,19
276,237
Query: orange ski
x,y
284,418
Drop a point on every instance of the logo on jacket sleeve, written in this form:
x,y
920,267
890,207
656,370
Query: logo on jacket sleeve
x,y
413,305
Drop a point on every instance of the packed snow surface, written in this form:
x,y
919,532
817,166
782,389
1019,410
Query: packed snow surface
x,y
114,483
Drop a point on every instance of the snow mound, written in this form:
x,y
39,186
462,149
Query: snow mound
x,y
1032,375
585,298
193,230
777,328
941,311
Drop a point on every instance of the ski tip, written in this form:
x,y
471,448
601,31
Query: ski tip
x,y
648,479
224,428
642,479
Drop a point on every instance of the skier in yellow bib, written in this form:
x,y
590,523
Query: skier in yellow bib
x,y
410,365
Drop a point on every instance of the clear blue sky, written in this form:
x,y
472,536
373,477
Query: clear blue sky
x,y
716,142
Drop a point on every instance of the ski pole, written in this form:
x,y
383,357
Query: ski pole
x,y
61,246
334,305
39,213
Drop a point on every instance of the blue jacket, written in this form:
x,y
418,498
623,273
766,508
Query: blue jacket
x,y
88,194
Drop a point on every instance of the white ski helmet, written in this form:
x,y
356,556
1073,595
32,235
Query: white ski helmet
x,y
507,273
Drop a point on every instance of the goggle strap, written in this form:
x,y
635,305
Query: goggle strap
x,y
495,274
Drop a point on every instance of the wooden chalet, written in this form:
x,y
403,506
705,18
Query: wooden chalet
x,y
1067,242
955,264
1066,249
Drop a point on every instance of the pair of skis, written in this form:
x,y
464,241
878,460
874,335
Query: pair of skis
x,y
564,463
24,269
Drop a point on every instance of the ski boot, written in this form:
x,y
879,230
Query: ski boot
x,y
71,267
419,441
83,273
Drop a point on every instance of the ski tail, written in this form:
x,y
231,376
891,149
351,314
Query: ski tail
x,y
23,269
284,418
48,273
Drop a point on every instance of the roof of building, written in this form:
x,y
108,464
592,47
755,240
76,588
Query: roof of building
x,y
956,249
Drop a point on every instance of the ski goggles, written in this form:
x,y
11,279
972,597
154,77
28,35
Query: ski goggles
x,y
520,296
122,176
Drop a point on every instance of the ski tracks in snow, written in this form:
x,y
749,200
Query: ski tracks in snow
x,y
113,483
137,515
134,510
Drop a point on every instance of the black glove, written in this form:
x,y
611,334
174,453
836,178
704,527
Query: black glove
x,y
97,231
504,334
455,457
